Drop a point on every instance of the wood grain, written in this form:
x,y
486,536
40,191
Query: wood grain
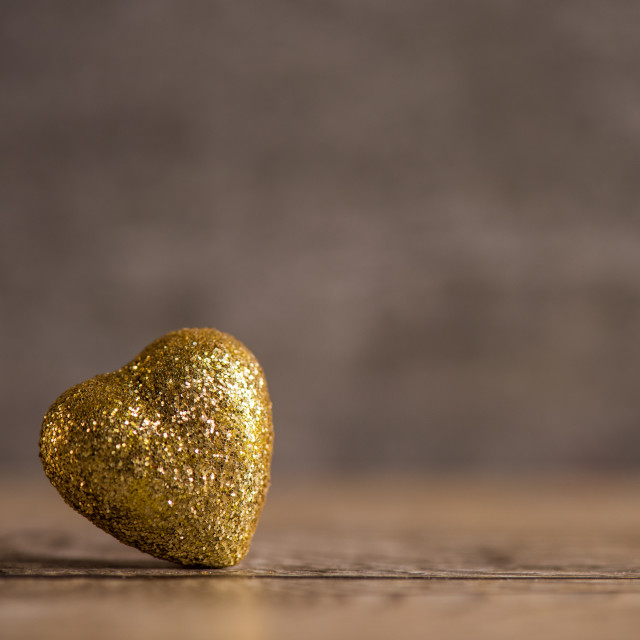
x,y
458,557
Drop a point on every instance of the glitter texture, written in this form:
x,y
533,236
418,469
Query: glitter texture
x,y
171,453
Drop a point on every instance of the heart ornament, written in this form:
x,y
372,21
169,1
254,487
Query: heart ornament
x,y
170,454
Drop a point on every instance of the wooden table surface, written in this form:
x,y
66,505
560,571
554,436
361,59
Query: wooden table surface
x,y
400,557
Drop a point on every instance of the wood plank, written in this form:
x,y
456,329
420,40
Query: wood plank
x,y
456,556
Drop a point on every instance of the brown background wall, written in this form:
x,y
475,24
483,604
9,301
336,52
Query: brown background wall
x,y
422,216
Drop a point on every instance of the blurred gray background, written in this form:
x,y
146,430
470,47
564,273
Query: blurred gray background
x,y
422,216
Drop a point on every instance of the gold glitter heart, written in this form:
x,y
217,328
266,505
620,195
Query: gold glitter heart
x,y
171,453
